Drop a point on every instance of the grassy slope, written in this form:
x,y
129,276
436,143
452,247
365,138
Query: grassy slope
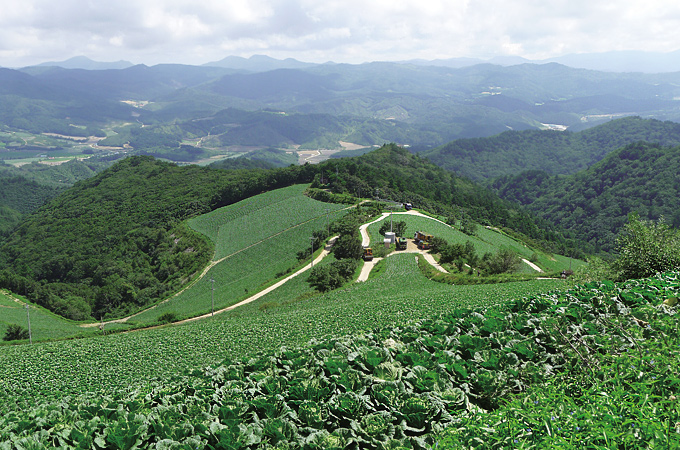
x,y
44,324
270,227
485,240
156,356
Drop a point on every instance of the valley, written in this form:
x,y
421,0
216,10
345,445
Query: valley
x,y
185,265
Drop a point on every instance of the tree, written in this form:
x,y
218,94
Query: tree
x,y
15,333
399,228
332,276
505,260
438,244
348,246
645,248
468,227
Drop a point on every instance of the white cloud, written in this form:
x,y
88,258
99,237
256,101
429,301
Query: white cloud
x,y
154,31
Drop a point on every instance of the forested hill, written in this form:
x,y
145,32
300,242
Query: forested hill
x,y
118,241
553,152
26,188
393,173
595,203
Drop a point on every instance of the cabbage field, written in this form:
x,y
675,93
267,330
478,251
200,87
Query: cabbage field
x,y
256,241
396,362
435,370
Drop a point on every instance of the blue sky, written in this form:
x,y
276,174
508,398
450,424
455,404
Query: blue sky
x,y
352,31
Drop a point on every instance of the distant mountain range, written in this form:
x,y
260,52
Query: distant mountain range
x,y
83,62
615,61
618,61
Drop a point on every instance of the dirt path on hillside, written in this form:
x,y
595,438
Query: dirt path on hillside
x,y
326,250
411,246
205,271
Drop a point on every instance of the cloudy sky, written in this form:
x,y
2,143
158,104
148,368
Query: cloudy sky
x,y
353,31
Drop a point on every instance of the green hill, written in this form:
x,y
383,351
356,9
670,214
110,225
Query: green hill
x,y
594,204
117,241
26,188
553,152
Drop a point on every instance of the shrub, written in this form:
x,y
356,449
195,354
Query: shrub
x,y
505,260
646,248
15,333
168,317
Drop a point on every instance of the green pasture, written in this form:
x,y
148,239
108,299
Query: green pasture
x,y
138,360
251,221
44,324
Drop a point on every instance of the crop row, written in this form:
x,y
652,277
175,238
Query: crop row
x,y
248,230
393,387
123,362
210,223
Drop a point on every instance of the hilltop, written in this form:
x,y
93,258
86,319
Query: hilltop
x,y
553,152
595,203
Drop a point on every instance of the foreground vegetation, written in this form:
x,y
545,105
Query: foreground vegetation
x,y
397,384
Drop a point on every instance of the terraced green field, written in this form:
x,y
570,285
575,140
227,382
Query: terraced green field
x,y
256,242
142,359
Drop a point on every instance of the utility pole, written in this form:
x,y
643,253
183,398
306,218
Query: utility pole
x,y
391,211
311,240
328,227
28,317
212,297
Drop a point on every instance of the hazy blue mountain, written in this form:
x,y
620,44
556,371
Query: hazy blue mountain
x,y
138,82
258,63
623,61
615,61
83,62
437,104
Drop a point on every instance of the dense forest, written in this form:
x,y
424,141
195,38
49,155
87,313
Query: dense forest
x,y
553,152
26,188
595,203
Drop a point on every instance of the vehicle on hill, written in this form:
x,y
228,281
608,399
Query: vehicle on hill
x,y
368,254
401,243
422,240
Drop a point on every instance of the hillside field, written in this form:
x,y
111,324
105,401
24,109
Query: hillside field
x,y
485,240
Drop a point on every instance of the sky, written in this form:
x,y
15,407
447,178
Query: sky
x,y
351,31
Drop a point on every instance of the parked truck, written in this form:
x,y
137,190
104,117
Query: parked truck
x,y
422,240
368,254
401,243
